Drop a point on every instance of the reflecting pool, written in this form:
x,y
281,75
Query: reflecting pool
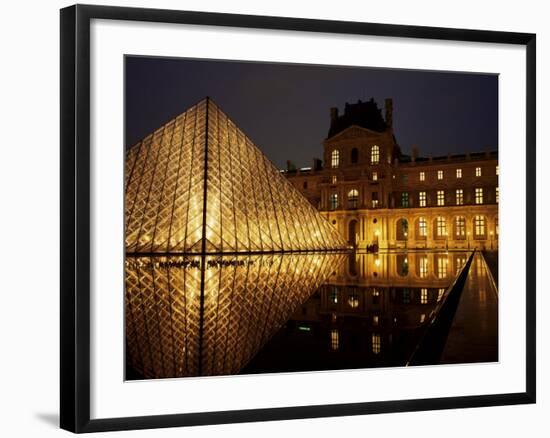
x,y
219,315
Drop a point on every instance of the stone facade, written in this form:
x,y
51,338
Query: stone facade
x,y
374,194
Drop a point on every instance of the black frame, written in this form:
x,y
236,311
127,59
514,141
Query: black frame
x,y
75,217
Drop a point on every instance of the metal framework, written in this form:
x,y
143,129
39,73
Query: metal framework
x,y
199,185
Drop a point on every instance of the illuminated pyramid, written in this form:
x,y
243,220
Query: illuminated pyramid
x,y
172,332
246,205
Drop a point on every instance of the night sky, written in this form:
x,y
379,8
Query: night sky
x,y
284,108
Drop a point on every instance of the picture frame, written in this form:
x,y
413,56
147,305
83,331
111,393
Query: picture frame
x,y
77,211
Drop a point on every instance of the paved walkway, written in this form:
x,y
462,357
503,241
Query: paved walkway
x,y
473,336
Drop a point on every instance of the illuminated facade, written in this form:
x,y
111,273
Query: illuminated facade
x,y
372,193
199,185
199,316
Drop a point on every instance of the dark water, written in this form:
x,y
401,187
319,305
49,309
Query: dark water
x,y
193,316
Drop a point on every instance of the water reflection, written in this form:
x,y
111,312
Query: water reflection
x,y
193,316
183,320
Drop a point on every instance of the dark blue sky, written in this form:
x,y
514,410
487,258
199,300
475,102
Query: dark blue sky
x,y
284,108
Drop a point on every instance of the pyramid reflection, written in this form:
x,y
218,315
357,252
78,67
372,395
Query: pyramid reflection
x,y
198,316
246,205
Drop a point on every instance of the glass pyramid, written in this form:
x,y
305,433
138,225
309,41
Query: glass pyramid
x,y
210,315
199,185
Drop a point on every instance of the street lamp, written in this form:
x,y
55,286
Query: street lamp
x,y
406,239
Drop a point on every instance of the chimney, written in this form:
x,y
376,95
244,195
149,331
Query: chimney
x,y
333,114
414,153
389,112
290,166
317,164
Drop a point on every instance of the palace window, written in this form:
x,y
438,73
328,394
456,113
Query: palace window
x,y
439,174
459,173
441,197
374,199
375,343
479,195
423,267
353,197
441,227
423,296
334,201
354,156
460,227
375,176
333,179
496,170
496,195
422,176
422,199
479,226
442,264
335,159
334,339
404,199
459,196
374,155
478,171
422,227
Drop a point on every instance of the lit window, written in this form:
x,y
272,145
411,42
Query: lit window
x,y
479,195
422,227
496,170
375,343
334,339
375,320
335,159
496,194
423,267
442,263
333,179
422,199
334,296
460,226
459,197
441,226
353,197
374,155
496,226
334,201
404,199
479,226
459,173
374,199
422,318
439,174
441,197
478,171
422,176
440,293
353,300
375,176
423,296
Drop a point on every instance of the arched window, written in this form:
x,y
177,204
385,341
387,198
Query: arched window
x,y
402,229
422,231
480,227
334,201
374,154
354,156
460,227
335,158
440,227
353,198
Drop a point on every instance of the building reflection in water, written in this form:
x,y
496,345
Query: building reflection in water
x,y
277,313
